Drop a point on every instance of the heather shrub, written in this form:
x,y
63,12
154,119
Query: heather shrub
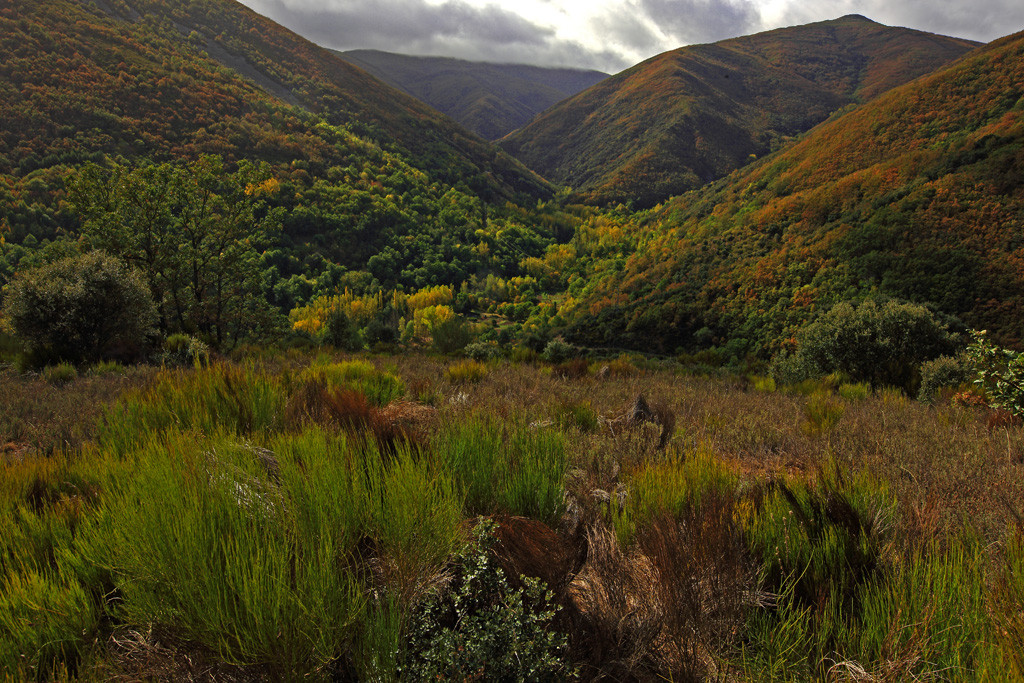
x,y
81,309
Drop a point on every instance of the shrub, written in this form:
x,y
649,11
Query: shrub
x,y
944,372
854,392
81,309
999,372
341,333
482,351
558,351
578,415
880,343
484,629
183,350
379,386
62,373
571,369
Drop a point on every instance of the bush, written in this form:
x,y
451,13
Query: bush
x,y
558,351
940,373
467,371
183,350
485,630
81,309
881,343
379,386
482,351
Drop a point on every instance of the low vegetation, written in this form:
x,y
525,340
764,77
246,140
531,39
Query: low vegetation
x,y
295,516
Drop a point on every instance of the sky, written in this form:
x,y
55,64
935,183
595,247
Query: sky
x,y
608,35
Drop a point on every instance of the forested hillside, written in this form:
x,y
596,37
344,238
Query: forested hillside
x,y
491,100
690,116
361,170
917,195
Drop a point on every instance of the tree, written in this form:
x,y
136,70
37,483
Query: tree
x,y
883,343
81,309
197,232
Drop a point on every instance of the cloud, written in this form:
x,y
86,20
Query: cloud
x,y
982,20
703,21
602,34
453,28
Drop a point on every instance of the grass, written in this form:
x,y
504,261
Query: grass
x,y
272,521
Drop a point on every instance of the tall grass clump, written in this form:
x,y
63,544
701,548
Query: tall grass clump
x,y
279,557
676,486
817,545
506,468
465,372
220,397
201,544
61,373
47,622
825,538
1008,599
926,618
379,386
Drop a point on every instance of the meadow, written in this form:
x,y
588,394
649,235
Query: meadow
x,y
285,515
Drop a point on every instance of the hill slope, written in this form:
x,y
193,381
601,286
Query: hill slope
x,y
371,179
491,100
152,77
918,195
686,117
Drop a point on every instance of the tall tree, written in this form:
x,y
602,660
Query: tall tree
x,y
197,231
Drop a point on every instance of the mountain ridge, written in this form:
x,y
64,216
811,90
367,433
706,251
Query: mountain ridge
x,y
685,117
491,99
916,195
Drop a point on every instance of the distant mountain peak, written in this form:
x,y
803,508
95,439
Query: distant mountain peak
x,y
691,115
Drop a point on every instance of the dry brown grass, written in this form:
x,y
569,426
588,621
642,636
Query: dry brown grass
x,y
37,416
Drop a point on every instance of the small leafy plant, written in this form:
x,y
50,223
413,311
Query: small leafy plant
x,y
484,629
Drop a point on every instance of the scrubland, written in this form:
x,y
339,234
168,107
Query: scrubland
x,y
414,517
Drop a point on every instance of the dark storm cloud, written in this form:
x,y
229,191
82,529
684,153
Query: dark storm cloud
x,y
452,29
702,21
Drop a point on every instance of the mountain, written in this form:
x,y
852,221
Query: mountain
x,y
916,195
687,117
160,78
372,184
491,100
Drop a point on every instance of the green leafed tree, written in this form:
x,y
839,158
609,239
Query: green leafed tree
x,y
81,309
883,343
197,231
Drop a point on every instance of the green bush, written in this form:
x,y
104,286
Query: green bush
x,y
482,351
81,309
379,386
881,343
941,373
183,350
558,351
484,629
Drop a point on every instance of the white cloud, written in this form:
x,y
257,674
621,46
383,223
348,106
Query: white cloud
x,y
603,34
